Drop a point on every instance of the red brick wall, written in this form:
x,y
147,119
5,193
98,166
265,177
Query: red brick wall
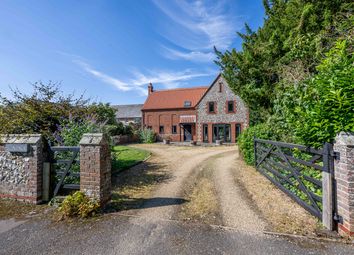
x,y
167,118
344,175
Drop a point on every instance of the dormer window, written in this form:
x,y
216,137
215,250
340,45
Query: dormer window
x,y
187,104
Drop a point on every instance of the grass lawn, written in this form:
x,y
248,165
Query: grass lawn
x,y
126,157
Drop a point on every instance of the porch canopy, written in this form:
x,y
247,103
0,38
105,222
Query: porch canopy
x,y
187,119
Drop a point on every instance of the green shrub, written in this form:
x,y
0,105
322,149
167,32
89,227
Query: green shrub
x,y
325,104
246,140
79,205
147,135
70,132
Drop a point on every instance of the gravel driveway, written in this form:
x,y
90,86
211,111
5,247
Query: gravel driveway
x,y
175,219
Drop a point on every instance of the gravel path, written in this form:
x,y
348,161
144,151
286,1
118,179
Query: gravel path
x,y
180,162
165,201
236,210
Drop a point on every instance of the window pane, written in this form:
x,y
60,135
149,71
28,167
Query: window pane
x,y
215,133
205,133
238,130
227,133
230,106
221,133
161,131
211,106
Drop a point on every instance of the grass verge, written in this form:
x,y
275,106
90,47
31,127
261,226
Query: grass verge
x,y
279,210
124,157
203,202
15,209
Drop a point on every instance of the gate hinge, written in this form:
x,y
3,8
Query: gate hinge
x,y
337,218
335,155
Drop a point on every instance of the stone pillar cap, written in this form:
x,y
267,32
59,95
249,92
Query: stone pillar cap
x,y
345,138
92,139
20,138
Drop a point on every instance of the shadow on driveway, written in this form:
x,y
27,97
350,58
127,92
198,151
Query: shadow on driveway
x,y
122,202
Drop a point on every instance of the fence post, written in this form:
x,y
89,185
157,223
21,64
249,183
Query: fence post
x,y
327,187
344,176
46,181
255,150
95,167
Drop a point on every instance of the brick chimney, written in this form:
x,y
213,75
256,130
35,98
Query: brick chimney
x,y
150,88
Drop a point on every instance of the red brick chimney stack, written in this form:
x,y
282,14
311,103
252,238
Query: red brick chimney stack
x,y
150,88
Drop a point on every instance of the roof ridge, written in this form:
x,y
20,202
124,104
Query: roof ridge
x,y
166,90
126,104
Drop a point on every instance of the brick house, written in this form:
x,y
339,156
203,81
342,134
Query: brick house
x,y
202,114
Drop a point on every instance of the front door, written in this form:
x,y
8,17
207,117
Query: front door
x,y
187,132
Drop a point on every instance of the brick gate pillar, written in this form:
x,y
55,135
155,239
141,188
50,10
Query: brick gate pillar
x,y
95,167
344,176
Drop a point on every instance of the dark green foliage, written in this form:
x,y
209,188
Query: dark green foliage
x,y
246,139
103,113
40,112
61,119
70,132
324,105
296,32
296,72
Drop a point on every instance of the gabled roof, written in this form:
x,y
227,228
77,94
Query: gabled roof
x,y
174,98
128,111
209,88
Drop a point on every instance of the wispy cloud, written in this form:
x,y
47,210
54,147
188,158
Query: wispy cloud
x,y
195,56
199,26
104,77
138,80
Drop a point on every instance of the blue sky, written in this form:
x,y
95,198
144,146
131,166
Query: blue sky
x,y
111,50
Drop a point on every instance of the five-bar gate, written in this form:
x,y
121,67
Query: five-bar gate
x,y
65,168
303,173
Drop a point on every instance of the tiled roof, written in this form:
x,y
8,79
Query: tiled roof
x,y
174,98
128,111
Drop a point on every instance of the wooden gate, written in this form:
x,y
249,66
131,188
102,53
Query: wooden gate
x,y
65,168
303,173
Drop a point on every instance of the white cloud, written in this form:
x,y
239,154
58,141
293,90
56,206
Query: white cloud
x,y
104,77
195,56
199,26
139,81
166,77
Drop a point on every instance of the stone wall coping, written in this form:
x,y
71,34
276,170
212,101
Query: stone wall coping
x,y
92,139
345,138
20,138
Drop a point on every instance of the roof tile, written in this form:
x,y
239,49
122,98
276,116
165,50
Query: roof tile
x,y
174,98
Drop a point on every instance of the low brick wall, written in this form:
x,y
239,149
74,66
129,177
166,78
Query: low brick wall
x,y
124,139
21,173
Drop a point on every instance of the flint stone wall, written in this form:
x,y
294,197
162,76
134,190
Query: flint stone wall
x,y
21,173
